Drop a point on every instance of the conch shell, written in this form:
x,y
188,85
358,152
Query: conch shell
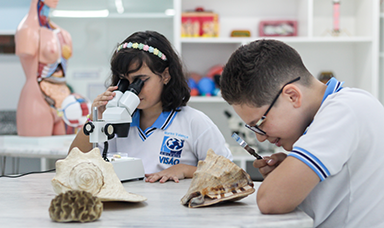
x,y
89,172
217,179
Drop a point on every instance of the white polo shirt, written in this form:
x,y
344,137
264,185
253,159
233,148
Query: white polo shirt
x,y
344,146
176,137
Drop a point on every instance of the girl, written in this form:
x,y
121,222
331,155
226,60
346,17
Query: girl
x,y
167,135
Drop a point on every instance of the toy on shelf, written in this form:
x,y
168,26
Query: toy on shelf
x,y
193,79
336,31
195,76
215,73
193,86
208,85
199,23
324,76
240,33
215,70
278,28
336,17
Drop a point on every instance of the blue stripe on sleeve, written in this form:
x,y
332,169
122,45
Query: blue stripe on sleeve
x,y
312,161
308,164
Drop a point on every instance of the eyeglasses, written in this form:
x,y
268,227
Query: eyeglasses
x,y
256,128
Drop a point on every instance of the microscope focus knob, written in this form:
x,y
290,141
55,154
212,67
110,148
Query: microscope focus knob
x,y
88,128
109,131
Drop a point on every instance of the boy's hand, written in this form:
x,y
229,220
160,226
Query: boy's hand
x,y
269,163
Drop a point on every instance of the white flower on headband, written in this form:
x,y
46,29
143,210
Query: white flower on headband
x,y
143,47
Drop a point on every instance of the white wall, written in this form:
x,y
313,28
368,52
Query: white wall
x,y
12,80
11,13
11,73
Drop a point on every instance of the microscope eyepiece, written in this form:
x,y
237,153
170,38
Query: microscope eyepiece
x,y
136,86
122,85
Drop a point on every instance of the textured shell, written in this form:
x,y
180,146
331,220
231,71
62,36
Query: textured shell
x,y
75,206
217,179
89,172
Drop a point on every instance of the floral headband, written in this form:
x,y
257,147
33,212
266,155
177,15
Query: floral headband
x,y
143,47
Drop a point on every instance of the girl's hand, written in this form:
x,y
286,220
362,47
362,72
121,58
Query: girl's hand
x,y
101,101
175,173
269,163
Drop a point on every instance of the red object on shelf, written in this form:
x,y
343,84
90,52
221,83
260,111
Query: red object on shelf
x,y
217,69
336,15
194,92
278,28
199,23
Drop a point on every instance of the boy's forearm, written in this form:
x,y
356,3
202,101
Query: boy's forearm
x,y
286,187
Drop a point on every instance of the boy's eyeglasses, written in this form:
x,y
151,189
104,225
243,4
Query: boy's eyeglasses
x,y
256,128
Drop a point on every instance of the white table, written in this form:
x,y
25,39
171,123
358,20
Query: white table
x,y
36,147
25,202
47,147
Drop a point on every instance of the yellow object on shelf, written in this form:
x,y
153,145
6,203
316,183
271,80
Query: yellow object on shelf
x,y
240,33
199,24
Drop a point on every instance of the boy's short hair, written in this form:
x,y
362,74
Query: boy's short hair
x,y
255,72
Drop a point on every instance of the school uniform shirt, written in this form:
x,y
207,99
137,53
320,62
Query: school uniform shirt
x,y
176,137
344,146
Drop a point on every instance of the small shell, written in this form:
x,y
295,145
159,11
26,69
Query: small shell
x,y
89,172
217,179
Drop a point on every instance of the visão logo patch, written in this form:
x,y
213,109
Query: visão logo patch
x,y
172,146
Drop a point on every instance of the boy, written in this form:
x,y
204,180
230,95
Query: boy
x,y
335,168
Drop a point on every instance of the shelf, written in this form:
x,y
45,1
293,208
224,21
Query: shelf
x,y
244,40
141,15
201,99
121,16
352,55
7,32
110,9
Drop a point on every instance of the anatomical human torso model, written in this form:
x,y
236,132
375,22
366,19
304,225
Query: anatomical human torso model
x,y
43,49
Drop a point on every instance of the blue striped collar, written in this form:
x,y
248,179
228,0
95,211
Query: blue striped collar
x,y
333,86
162,122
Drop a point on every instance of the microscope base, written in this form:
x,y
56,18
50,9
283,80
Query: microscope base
x,y
128,168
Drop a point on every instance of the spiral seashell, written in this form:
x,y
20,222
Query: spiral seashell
x,y
89,172
86,176
217,179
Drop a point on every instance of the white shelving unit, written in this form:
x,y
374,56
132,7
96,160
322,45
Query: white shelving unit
x,y
352,58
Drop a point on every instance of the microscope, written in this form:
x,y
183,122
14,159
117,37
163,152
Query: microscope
x,y
116,121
